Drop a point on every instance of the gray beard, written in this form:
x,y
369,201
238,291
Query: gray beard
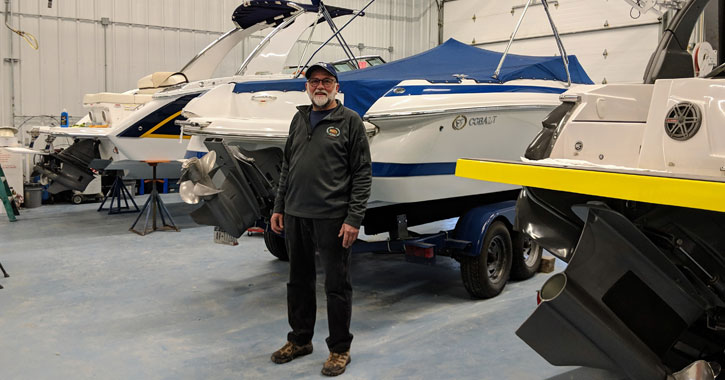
x,y
321,103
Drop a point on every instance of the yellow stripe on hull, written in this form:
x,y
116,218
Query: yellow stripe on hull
x,y
159,125
157,136
700,194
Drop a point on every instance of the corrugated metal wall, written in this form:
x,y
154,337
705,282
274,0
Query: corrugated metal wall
x,y
610,39
392,29
145,36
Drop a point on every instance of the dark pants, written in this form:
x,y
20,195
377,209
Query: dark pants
x,y
304,236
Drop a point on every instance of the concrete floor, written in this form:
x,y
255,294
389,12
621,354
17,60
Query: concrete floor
x,y
87,299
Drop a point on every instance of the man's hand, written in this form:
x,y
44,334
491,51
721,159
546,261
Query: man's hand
x,y
348,234
277,222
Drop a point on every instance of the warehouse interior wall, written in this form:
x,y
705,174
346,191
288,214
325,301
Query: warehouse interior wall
x,y
392,29
612,41
90,46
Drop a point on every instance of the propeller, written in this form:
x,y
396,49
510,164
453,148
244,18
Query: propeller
x,y
186,190
204,191
208,161
196,179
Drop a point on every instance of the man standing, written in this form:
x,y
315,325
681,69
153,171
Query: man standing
x,y
323,190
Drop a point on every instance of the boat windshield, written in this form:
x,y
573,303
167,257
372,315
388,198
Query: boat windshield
x,y
363,62
345,65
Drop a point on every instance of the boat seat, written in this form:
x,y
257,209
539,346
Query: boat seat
x,y
153,83
142,98
109,97
147,86
114,98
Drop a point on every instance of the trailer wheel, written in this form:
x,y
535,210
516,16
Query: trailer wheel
x,y
275,244
485,275
77,199
526,257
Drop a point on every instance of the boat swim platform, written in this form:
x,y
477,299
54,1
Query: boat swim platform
x,y
649,187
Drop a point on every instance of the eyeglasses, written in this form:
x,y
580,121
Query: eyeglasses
x,y
327,82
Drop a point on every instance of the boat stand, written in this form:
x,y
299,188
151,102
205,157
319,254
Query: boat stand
x,y
117,193
5,274
6,197
154,205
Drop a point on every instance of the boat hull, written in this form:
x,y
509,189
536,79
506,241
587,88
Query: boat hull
x,y
414,140
414,157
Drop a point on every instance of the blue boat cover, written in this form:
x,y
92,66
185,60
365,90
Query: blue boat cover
x,y
274,12
445,63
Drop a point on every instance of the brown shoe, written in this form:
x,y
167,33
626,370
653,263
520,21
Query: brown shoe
x,y
336,363
290,351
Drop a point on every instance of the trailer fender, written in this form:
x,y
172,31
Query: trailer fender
x,y
472,226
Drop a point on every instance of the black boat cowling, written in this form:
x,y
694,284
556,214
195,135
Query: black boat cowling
x,y
69,169
643,293
247,180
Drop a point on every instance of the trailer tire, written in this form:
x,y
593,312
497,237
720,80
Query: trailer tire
x,y
275,244
485,275
76,199
526,257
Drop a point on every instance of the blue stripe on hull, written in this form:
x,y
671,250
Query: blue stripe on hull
x,y
193,153
386,169
139,128
471,89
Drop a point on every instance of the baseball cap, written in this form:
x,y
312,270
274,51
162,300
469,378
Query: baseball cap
x,y
324,66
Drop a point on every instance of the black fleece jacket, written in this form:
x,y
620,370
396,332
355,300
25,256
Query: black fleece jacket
x,y
326,171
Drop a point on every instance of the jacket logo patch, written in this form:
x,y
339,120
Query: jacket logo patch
x,y
333,131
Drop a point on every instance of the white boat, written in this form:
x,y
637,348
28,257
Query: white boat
x,y
625,184
671,128
423,127
123,131
422,113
